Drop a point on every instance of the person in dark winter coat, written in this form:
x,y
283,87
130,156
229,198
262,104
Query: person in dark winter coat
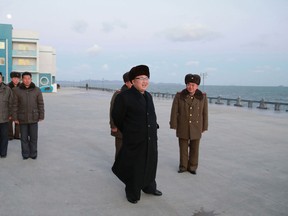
x,y
6,97
14,129
28,110
189,116
114,130
134,115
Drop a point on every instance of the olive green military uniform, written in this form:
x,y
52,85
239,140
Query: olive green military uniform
x,y
189,116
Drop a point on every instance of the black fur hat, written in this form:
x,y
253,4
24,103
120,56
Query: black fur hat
x,y
192,78
15,74
139,70
126,77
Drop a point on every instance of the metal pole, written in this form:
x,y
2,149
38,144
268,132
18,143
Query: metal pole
x,y
203,78
203,83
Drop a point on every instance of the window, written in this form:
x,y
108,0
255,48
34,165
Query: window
x,y
2,61
24,46
2,45
24,62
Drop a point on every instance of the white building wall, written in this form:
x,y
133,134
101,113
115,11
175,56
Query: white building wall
x,y
29,37
47,60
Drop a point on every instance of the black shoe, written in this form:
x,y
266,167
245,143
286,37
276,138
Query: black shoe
x,y
131,200
25,158
10,138
34,158
18,138
3,156
181,171
193,172
157,193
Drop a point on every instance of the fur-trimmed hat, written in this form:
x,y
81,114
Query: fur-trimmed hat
x,y
192,78
126,77
139,70
15,74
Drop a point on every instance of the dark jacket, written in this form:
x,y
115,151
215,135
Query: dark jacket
x,y
6,99
134,114
28,104
111,122
189,116
11,85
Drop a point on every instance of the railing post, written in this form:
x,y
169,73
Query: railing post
x,y
219,100
262,105
238,102
277,107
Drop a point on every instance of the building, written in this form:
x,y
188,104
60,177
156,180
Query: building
x,y
20,51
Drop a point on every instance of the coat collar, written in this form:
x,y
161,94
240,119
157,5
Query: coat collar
x,y
136,92
22,86
140,97
3,85
11,85
124,88
198,94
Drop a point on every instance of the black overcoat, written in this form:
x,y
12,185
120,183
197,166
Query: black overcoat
x,y
134,115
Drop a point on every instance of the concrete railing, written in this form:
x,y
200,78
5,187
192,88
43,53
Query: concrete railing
x,y
262,104
238,102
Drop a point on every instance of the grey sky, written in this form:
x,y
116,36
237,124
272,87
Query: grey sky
x,y
236,42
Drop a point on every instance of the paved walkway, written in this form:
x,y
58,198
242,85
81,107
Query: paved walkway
x,y
242,172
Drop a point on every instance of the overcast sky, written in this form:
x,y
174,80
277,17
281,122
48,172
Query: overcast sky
x,y
234,42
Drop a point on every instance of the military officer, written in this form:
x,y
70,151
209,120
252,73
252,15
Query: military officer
x,y
189,117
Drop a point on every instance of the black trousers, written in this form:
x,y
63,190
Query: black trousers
x,y
29,138
3,139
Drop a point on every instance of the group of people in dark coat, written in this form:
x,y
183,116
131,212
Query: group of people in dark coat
x,y
22,106
132,115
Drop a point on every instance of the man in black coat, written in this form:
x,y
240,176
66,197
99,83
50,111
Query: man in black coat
x,y
134,115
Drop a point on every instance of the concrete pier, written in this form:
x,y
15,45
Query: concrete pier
x,y
242,171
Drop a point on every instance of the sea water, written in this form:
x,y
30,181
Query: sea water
x,y
255,93
277,94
